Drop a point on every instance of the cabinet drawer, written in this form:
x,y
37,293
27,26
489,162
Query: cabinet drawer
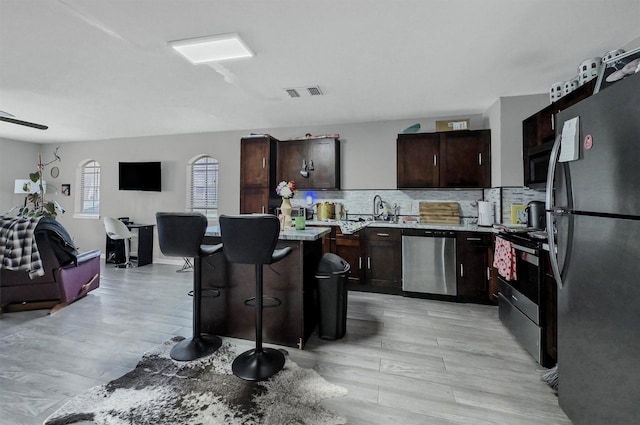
x,y
478,240
384,234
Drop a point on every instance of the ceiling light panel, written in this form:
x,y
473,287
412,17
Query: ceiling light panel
x,y
213,48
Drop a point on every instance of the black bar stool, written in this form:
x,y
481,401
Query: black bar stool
x,y
252,239
181,235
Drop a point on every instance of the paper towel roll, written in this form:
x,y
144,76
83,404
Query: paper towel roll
x,y
485,213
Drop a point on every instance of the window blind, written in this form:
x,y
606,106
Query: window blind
x,y
90,188
203,197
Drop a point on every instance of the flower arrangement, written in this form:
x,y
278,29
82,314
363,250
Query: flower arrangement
x,y
286,189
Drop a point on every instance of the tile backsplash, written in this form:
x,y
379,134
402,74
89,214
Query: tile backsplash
x,y
359,203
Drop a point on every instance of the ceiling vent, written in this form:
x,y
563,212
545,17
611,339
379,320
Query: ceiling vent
x,y
304,91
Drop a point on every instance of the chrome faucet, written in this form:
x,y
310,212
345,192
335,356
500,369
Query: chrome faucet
x,y
376,207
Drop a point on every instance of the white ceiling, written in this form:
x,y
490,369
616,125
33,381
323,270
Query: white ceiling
x,y
94,70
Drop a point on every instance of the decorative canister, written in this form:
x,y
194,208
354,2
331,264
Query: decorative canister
x,y
556,91
570,85
325,211
612,54
589,69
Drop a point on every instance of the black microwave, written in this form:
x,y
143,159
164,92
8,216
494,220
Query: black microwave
x,y
536,167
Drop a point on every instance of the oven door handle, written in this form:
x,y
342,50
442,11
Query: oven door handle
x,y
525,249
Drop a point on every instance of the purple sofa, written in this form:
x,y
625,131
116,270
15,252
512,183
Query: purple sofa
x,y
67,277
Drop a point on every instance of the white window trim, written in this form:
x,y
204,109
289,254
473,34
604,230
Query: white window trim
x,y
190,163
78,192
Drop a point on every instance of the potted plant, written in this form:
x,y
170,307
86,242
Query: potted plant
x,y
35,204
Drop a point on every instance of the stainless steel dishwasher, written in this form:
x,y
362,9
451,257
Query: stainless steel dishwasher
x,y
429,261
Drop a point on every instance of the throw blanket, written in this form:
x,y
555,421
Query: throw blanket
x,y
18,248
504,259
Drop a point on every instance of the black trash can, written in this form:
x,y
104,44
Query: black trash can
x,y
332,296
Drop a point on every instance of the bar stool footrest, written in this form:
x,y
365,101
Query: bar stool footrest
x,y
276,302
216,293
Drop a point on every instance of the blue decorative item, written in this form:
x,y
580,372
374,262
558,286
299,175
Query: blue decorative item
x,y
411,129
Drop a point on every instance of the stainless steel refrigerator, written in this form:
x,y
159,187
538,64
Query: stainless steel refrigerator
x,y
594,202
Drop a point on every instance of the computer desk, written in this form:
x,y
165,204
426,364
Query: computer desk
x,y
145,245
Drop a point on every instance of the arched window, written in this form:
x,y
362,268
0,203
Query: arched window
x,y
90,188
203,186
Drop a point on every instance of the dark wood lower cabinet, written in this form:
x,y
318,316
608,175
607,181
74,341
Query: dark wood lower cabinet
x,y
375,257
471,253
382,261
348,247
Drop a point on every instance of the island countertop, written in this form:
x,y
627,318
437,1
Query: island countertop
x,y
308,234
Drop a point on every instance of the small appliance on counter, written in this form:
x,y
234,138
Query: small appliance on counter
x,y
297,212
325,210
536,215
485,213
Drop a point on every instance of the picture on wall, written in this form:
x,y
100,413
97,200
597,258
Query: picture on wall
x,y
65,189
618,68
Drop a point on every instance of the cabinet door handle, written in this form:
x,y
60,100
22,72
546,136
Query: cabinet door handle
x,y
474,239
382,235
360,263
480,158
264,162
435,160
262,207
461,270
369,263
486,282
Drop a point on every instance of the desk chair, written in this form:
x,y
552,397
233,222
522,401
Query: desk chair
x,y
180,235
252,239
117,230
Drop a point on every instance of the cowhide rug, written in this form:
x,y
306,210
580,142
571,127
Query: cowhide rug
x,y
161,391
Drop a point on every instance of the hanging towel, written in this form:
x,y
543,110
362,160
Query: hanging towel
x,y
504,259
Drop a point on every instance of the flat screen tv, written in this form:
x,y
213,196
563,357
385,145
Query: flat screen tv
x,y
145,176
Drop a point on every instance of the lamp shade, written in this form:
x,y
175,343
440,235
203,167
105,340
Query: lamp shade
x,y
33,187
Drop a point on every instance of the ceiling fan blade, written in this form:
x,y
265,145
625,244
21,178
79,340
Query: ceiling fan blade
x,y
19,122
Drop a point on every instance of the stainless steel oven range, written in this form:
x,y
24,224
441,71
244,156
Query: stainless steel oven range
x,y
519,299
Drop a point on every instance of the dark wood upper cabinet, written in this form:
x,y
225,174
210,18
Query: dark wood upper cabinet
x,y
539,133
312,164
444,160
257,174
417,156
255,161
465,158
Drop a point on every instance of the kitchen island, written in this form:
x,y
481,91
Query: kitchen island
x,y
291,280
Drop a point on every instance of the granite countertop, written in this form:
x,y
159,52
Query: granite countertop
x,y
308,234
407,225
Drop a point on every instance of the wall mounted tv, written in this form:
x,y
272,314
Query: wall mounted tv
x,y
145,176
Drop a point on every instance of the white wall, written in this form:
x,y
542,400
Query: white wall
x,y
17,160
505,118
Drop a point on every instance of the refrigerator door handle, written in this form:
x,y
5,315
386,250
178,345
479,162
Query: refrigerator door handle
x,y
551,174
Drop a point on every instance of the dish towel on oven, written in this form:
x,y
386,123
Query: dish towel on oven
x,y
504,259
